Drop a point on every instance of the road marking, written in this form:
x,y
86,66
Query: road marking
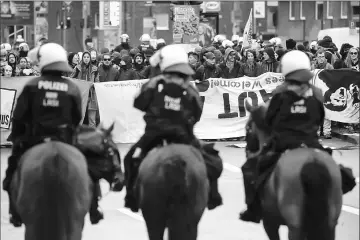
x,y
131,214
350,209
231,168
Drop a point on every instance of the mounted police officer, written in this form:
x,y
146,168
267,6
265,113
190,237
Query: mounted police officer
x,y
294,115
172,107
49,107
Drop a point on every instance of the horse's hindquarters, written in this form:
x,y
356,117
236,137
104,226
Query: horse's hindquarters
x,y
54,191
173,190
306,187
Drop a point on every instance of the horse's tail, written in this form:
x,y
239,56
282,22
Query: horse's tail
x,y
316,182
62,184
175,176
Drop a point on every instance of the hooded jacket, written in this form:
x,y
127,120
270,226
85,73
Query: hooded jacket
x,y
229,70
126,71
15,68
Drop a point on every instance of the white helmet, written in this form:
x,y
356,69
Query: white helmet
x,y
235,38
20,39
227,43
160,40
313,44
50,56
24,46
145,38
6,46
219,38
124,37
172,58
294,62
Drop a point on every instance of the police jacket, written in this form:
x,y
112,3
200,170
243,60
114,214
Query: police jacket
x,y
46,105
168,106
295,113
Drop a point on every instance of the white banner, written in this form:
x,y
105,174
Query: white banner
x,y
223,116
7,106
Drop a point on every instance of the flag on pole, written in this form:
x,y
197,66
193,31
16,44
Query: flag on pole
x,y
248,31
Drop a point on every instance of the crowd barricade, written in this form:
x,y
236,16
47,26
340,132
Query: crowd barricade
x,y
223,102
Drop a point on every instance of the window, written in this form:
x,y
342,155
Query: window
x,y
302,17
329,10
272,3
354,4
319,11
162,20
344,10
291,10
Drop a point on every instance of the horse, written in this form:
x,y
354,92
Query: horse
x,y
172,188
302,192
52,190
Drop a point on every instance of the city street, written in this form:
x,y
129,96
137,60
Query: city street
x,y
221,223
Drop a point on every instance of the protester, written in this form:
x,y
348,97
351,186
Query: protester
x,y
250,68
88,72
8,71
107,72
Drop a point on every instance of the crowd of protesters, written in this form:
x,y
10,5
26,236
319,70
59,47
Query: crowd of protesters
x,y
222,59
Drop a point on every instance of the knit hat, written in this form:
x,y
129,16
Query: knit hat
x,y
325,43
290,43
104,50
209,55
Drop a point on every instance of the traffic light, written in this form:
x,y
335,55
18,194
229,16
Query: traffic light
x,y
187,2
68,22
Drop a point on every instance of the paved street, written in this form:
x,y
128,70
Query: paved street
x,y
221,223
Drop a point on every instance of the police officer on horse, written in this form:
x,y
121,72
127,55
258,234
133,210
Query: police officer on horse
x,y
48,108
172,107
294,115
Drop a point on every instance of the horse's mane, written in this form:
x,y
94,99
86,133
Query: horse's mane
x,y
258,117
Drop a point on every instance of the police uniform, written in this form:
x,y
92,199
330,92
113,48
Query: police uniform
x,y
48,107
293,117
171,111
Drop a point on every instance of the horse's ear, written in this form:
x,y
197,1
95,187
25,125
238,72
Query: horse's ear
x,y
248,106
111,128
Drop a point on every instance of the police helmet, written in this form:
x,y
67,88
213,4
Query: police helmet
x,y
172,59
295,65
50,57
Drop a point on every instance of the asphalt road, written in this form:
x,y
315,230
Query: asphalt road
x,y
221,223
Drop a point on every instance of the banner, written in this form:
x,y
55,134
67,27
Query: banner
x,y
17,12
341,94
186,24
10,91
7,106
223,116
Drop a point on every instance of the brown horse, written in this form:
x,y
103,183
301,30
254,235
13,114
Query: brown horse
x,y
52,190
173,191
303,192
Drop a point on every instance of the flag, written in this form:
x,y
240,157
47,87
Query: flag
x,y
248,31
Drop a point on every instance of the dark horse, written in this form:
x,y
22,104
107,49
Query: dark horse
x,y
173,191
52,190
303,191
